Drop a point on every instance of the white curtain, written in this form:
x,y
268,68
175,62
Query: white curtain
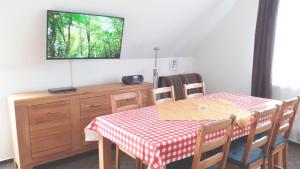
x,y
286,62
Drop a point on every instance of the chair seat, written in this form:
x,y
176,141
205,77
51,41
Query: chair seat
x,y
280,139
185,163
236,153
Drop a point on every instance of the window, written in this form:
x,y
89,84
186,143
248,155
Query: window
x,y
286,62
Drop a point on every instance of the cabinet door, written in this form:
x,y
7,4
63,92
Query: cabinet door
x,y
50,128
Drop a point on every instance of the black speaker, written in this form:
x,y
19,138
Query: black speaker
x,y
133,79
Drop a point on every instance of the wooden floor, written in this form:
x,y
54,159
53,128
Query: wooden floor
x,y
90,161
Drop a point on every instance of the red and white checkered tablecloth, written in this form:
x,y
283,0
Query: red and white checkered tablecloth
x,y
158,142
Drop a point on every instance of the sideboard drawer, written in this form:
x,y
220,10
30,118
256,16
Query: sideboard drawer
x,y
95,106
48,113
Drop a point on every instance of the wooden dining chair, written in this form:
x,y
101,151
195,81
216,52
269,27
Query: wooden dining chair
x,y
123,102
189,87
282,130
250,152
163,90
218,158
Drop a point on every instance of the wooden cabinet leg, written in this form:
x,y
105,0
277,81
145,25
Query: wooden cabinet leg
x,y
104,146
25,167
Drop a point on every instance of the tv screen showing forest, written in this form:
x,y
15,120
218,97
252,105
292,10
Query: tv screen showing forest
x,y
83,36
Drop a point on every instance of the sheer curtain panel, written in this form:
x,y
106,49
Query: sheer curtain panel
x,y
286,61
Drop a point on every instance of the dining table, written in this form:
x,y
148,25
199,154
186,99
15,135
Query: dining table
x,y
159,142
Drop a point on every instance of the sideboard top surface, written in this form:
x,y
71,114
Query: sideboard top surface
x,y
20,97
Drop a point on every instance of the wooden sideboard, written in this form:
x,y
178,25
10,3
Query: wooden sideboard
x,y
48,127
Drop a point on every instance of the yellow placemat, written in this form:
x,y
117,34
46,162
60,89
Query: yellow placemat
x,y
203,109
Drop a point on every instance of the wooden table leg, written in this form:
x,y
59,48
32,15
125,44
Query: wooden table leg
x,y
15,164
104,146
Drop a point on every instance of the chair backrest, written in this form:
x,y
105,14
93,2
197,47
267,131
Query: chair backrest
x,y
177,81
262,123
188,87
223,142
126,101
286,118
159,91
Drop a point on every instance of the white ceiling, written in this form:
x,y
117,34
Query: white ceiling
x,y
178,27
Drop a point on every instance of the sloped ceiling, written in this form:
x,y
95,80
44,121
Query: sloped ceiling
x,y
178,27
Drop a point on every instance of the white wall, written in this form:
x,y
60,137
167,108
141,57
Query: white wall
x,y
225,56
177,27
47,74
23,66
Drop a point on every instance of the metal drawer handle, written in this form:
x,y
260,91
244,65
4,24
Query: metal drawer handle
x,y
53,113
95,105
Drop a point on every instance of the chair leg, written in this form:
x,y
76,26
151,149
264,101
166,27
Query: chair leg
x,y
271,160
117,157
138,164
277,158
280,157
264,164
285,156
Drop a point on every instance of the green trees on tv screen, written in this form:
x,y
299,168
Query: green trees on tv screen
x,y
72,35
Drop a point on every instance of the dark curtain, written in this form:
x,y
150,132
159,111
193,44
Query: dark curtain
x,y
263,48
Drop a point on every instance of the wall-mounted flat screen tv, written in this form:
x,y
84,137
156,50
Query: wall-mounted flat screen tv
x,y
83,36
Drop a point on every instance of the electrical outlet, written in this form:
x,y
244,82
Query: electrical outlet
x,y
173,64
